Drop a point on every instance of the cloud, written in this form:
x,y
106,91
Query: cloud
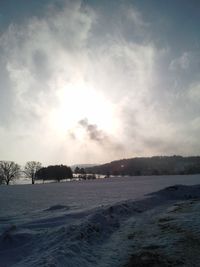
x,y
99,136
35,58
152,92
181,63
194,93
93,132
39,53
135,16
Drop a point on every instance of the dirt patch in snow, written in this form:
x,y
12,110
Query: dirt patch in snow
x,y
168,238
150,258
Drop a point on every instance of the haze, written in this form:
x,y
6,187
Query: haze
x,y
93,81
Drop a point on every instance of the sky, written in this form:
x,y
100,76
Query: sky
x,y
92,81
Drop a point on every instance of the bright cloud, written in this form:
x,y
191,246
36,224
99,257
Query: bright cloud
x,y
73,90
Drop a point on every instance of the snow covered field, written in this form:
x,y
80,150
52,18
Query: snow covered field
x,y
101,223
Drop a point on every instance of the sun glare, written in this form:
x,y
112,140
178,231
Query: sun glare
x,y
79,101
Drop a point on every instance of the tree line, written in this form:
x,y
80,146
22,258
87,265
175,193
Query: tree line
x,y
157,165
10,171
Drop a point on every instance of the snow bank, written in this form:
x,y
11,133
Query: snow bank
x,y
57,207
143,231
183,192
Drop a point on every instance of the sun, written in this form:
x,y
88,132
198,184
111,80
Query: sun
x,y
77,101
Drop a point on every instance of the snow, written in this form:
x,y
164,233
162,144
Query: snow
x,y
111,222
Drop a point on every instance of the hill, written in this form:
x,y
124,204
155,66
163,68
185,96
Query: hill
x,y
73,167
157,165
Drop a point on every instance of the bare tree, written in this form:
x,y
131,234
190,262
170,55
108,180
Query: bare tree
x,y
31,168
9,171
1,177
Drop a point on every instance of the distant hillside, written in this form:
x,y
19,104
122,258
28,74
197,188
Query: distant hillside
x,y
158,165
81,166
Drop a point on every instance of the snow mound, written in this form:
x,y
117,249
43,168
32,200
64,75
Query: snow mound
x,y
182,192
12,239
169,237
58,207
107,235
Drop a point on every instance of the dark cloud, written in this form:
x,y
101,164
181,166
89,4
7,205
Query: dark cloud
x,y
93,132
99,136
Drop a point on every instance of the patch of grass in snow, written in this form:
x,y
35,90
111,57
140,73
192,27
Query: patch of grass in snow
x,y
150,258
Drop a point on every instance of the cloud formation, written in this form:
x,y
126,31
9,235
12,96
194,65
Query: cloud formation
x,y
100,137
138,96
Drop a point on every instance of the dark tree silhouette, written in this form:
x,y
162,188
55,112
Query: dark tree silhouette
x,y
79,170
9,171
42,174
31,168
1,178
55,172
